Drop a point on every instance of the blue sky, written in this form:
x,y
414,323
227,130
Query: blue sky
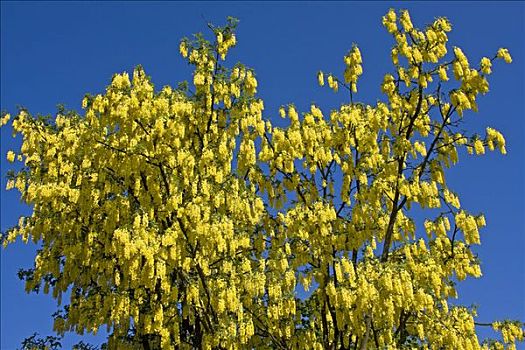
x,y
55,52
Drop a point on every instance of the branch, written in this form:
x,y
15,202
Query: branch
x,y
367,333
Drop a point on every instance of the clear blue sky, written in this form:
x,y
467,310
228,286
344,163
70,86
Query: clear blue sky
x,y
55,52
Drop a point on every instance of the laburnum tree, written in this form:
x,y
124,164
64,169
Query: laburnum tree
x,y
183,219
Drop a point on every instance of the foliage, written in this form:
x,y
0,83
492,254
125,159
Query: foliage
x,y
184,219
35,343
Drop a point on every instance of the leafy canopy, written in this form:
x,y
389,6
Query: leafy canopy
x,y
182,218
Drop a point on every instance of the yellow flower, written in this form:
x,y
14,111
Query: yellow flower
x,y
505,55
320,78
198,79
406,22
282,112
391,15
389,21
183,48
335,86
485,65
5,119
394,55
11,156
478,147
443,74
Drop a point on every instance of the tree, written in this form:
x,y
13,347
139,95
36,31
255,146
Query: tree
x,y
182,218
